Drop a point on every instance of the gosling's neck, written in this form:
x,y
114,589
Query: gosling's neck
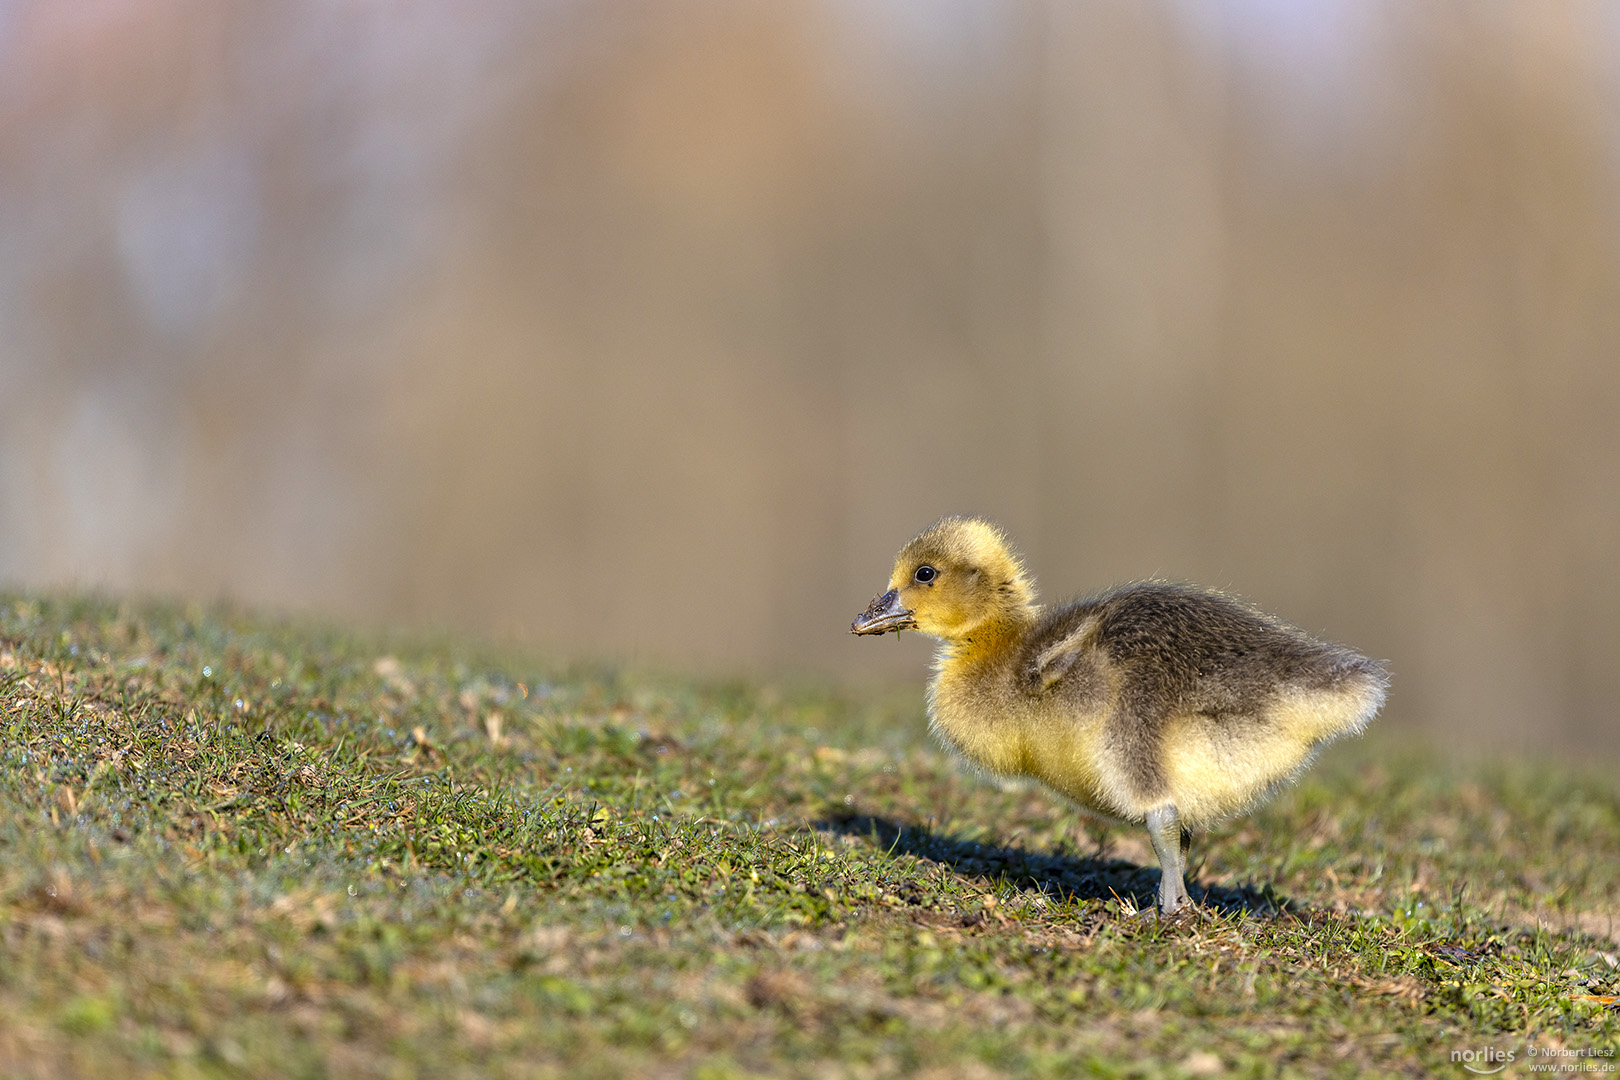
x,y
990,640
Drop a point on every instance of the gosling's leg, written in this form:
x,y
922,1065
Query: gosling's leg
x,y
1186,844
1170,843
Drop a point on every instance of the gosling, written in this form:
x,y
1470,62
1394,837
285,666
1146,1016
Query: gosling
x,y
1154,703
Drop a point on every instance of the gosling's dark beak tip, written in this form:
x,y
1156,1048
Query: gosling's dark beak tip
x,y
882,615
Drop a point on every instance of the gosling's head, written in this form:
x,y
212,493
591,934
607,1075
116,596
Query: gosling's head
x,y
953,578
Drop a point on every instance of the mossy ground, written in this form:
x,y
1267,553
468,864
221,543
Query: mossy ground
x,y
237,848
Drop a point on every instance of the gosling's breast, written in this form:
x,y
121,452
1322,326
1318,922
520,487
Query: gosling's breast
x,y
974,714
998,725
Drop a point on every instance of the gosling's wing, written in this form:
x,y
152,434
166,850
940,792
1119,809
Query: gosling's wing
x,y
1062,649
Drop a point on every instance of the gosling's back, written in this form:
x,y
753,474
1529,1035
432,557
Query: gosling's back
x,y
1179,647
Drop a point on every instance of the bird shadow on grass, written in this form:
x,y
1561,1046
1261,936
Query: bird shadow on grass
x,y
1066,877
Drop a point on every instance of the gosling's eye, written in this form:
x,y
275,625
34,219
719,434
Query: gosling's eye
x,y
926,574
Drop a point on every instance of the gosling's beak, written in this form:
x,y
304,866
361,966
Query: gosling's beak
x,y
884,614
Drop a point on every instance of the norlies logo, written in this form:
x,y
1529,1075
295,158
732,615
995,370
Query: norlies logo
x,y
1486,1061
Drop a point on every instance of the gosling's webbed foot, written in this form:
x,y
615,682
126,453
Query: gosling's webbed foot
x,y
1188,909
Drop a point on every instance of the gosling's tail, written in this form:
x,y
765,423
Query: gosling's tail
x,y
1360,686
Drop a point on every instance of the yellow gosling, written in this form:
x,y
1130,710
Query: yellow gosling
x,y
1156,703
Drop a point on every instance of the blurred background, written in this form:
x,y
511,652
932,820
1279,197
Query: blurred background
x,y
652,330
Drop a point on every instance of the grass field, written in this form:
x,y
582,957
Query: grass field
x,y
237,848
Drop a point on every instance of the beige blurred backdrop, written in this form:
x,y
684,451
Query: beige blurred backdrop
x,y
651,329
